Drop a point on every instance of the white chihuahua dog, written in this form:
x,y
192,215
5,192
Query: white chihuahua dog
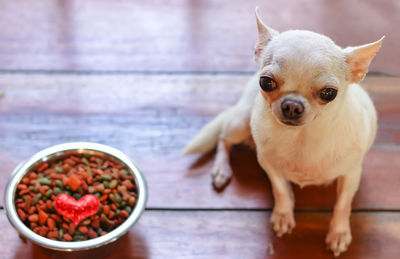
x,y
310,121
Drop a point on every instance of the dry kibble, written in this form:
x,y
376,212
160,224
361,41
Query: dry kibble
x,y
33,218
51,223
76,176
92,233
67,237
42,217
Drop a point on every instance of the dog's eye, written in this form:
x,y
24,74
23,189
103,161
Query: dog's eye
x,y
327,94
268,84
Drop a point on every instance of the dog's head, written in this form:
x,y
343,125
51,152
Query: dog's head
x,y
304,75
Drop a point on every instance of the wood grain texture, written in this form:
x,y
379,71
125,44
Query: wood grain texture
x,y
151,118
179,35
226,234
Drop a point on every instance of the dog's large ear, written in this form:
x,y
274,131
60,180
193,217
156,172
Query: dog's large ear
x,y
265,34
359,58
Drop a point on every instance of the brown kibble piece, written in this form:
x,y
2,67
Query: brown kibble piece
x,y
131,201
42,167
71,228
92,233
21,187
74,182
28,202
32,210
43,189
104,197
106,209
49,204
67,237
22,214
32,175
43,231
86,222
124,213
105,222
83,229
51,223
100,187
33,218
96,223
53,234
128,184
56,218
42,217
113,207
23,192
36,230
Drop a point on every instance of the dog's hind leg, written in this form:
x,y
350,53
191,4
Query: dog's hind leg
x,y
230,127
236,129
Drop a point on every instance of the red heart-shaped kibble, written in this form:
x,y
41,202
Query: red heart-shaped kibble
x,y
75,210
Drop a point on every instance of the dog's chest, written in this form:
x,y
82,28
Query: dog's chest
x,y
301,159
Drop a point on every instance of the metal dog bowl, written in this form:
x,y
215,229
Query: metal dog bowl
x,y
60,151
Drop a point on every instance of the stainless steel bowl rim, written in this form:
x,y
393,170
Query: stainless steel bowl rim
x,y
23,168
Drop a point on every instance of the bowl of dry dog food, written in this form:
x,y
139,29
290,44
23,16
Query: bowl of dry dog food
x,y
75,196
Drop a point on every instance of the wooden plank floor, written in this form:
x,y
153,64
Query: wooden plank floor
x,y
228,234
179,35
145,77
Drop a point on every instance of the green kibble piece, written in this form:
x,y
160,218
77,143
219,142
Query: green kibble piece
x,y
117,212
32,188
125,171
37,198
57,191
105,177
68,188
84,160
76,196
117,197
48,193
106,184
113,184
59,184
99,231
44,181
88,171
78,238
128,209
60,234
58,170
123,203
97,194
103,167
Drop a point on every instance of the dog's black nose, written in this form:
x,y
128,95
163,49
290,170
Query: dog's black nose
x,y
292,109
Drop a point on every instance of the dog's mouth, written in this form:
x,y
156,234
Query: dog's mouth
x,y
291,122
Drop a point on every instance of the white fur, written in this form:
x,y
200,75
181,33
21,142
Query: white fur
x,y
329,144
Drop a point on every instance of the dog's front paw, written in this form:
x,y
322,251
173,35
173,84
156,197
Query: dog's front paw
x,y
282,222
221,174
338,240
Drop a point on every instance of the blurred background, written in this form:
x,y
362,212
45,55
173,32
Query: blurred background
x,y
180,35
